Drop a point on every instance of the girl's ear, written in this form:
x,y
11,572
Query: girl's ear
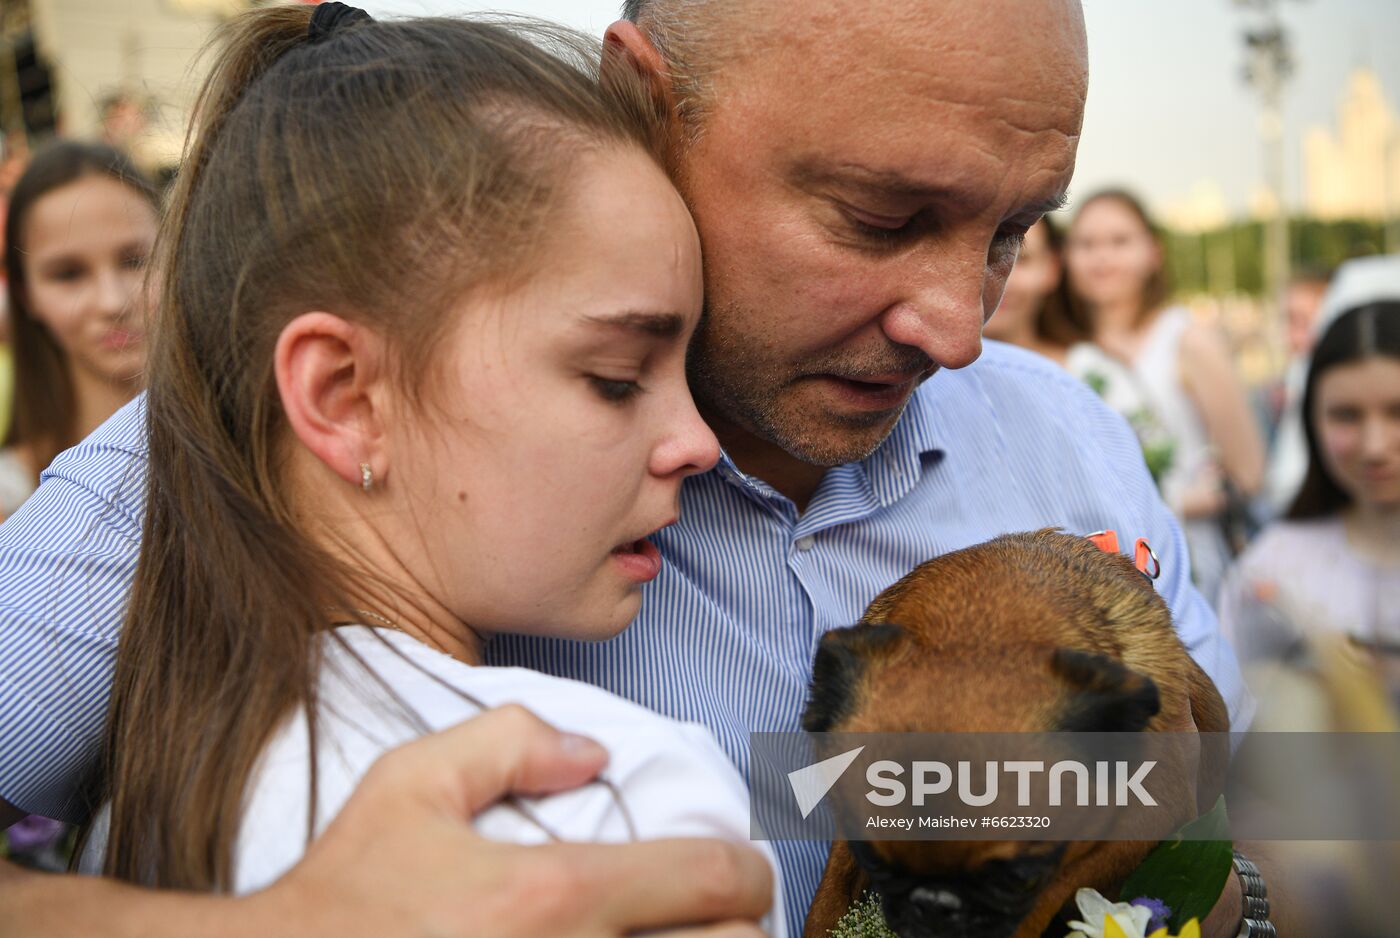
x,y
329,376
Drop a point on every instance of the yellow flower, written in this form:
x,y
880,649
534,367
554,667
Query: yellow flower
x,y
1191,929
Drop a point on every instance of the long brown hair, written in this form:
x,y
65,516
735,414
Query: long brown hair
x,y
381,172
1059,321
1158,288
44,419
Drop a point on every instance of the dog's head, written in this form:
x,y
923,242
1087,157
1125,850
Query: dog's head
x,y
1025,633
1012,636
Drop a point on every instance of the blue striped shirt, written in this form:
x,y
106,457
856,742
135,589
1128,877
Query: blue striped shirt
x,y
727,631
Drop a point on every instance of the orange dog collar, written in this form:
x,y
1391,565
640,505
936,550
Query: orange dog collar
x,y
1144,557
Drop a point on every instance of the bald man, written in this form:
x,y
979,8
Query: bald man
x,y
861,176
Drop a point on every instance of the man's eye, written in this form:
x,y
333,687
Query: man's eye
x,y
615,391
876,227
880,233
1012,236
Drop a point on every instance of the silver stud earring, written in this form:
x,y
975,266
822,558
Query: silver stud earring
x,y
366,476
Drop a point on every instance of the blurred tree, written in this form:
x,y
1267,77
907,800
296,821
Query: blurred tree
x,y
1232,259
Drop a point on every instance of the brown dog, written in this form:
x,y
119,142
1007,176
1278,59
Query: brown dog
x,y
1039,632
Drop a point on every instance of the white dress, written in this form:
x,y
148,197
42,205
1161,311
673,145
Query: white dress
x,y
16,483
1158,368
1121,390
1297,579
1304,576
672,777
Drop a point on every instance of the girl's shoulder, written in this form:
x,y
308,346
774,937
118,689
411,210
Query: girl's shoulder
x,y
18,479
1285,549
380,689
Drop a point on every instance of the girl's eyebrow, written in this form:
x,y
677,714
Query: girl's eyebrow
x,y
658,325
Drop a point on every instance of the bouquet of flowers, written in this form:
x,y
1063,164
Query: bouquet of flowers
x,y
38,843
1174,887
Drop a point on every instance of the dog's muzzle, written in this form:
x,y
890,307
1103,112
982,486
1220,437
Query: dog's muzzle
x,y
987,903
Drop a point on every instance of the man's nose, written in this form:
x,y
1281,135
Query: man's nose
x,y
944,322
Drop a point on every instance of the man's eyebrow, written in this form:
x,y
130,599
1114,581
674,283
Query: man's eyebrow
x,y
896,185
879,181
657,325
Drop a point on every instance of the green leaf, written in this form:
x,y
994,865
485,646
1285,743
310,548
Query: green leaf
x,y
1187,874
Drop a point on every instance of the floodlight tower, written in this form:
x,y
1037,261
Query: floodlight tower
x,y
1268,66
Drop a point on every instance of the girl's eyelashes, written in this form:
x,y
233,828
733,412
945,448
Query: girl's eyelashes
x,y
64,273
613,390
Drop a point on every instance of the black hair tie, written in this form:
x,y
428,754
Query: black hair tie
x,y
331,17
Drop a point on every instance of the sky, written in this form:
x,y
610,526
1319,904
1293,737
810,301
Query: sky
x,y
1168,107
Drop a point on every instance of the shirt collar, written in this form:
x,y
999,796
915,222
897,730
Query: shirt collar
x,y
897,464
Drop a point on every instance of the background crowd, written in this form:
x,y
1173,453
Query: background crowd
x,y
1267,399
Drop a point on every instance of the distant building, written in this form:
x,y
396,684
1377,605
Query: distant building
x,y
1203,209
1354,170
121,69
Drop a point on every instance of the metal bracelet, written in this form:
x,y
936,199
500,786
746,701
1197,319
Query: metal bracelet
x,y
1254,923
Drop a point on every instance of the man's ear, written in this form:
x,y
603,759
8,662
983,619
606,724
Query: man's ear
x,y
1107,697
627,47
329,372
837,672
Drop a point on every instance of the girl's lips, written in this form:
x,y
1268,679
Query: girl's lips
x,y
640,561
117,339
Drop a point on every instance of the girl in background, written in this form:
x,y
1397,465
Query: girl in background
x,y
1313,606
1115,261
1035,310
1037,313
80,227
419,378
1332,565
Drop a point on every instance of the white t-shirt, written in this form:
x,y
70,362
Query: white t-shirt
x,y
673,779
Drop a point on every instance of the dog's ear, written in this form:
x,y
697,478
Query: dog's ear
x,y
837,670
1107,696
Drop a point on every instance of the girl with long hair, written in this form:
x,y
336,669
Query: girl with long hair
x,y
1037,313
1332,564
1313,606
1116,263
419,378
81,223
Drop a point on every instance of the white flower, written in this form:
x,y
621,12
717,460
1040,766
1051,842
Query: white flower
x,y
1095,909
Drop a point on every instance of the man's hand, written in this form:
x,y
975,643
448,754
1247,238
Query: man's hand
x,y
402,859
1224,920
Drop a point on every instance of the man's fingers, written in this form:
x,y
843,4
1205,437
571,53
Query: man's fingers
x,y
465,769
661,882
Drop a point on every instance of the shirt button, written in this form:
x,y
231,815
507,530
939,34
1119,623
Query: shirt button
x,y
804,542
